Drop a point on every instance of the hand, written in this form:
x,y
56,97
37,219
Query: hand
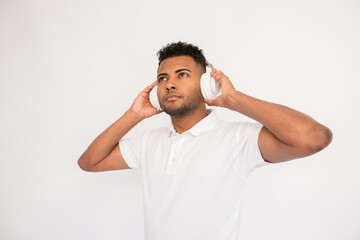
x,y
227,90
142,105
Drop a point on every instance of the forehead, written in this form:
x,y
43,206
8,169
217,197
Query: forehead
x,y
174,63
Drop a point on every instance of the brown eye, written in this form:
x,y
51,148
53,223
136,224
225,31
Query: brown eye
x,y
183,74
161,79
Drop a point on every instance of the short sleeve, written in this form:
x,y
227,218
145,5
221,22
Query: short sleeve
x,y
131,151
253,155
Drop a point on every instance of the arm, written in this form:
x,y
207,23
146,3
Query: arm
x,y
104,154
287,134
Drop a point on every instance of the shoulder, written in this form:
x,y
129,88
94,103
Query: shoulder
x,y
238,131
245,126
156,132
147,134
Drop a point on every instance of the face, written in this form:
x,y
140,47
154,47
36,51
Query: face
x,y
179,85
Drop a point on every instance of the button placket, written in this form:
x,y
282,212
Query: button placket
x,y
171,165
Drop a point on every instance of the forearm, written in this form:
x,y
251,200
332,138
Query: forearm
x,y
106,141
290,126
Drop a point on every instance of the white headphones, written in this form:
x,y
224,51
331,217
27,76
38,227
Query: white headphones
x,y
210,88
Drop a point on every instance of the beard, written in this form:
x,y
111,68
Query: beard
x,y
188,105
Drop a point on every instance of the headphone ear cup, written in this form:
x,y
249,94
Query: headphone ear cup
x,y
210,88
154,98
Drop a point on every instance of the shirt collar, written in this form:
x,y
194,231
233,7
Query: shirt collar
x,y
205,124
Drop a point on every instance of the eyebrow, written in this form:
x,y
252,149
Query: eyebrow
x,y
182,69
179,70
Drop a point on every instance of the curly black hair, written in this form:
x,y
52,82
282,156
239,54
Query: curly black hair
x,y
182,49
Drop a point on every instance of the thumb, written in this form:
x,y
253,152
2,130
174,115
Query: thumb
x,y
210,102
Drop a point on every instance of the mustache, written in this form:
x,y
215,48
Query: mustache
x,y
174,93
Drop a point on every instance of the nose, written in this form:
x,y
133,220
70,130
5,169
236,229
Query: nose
x,y
170,85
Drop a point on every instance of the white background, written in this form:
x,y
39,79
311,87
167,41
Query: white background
x,y
69,69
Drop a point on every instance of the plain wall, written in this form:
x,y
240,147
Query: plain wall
x,y
69,69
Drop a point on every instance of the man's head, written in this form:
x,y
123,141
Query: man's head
x,y
180,68
182,49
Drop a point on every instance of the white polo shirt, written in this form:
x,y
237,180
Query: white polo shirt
x,y
193,182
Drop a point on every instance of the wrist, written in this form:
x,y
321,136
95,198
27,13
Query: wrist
x,y
133,116
233,100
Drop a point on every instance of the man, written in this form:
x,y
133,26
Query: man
x,y
194,173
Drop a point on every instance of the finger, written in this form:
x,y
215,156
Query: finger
x,y
218,76
215,69
154,83
223,74
151,86
215,74
210,102
219,72
158,111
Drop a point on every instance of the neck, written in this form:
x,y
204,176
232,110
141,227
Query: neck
x,y
186,121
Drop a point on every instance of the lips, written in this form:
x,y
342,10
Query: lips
x,y
172,97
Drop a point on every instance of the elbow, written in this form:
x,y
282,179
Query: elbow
x,y
321,137
83,164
